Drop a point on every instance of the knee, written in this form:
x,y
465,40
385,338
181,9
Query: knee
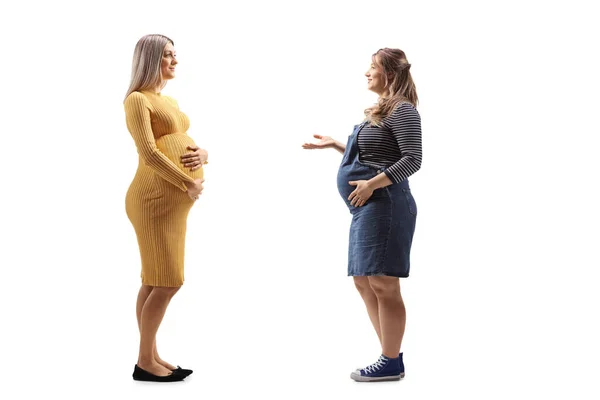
x,y
166,292
385,288
362,285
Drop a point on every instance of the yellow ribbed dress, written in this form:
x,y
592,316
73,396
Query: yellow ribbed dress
x,y
157,203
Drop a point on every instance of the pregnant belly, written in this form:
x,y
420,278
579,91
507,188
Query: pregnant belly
x,y
174,146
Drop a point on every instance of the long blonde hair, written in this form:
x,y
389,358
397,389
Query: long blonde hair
x,y
145,70
398,83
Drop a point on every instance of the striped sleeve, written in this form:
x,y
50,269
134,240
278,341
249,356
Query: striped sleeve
x,y
405,124
137,114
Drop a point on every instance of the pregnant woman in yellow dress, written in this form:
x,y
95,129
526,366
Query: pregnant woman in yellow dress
x,y
167,183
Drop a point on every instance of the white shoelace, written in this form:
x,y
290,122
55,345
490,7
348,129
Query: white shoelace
x,y
377,366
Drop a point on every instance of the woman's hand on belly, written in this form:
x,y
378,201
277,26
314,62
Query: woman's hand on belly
x,y
196,159
361,194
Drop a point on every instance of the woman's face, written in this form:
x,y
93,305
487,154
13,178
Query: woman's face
x,y
168,62
375,79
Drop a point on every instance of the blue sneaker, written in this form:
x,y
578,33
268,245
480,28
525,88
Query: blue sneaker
x,y
385,369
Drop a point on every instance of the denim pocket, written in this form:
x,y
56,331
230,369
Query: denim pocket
x,y
410,200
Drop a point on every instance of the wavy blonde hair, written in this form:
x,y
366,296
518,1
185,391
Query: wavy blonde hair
x,y
145,69
398,83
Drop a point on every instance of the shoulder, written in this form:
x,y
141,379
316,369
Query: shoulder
x,y
136,99
405,111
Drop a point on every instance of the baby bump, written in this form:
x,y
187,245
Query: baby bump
x,y
174,146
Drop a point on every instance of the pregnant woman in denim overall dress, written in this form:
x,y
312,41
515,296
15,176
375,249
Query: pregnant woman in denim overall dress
x,y
381,153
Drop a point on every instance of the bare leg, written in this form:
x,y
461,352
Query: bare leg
x,y
368,296
392,313
143,294
151,316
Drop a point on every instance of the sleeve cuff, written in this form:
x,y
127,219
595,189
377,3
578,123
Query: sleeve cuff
x,y
391,176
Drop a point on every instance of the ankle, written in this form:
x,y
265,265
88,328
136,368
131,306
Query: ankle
x,y
146,361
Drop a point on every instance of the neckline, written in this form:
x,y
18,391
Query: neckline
x,y
151,92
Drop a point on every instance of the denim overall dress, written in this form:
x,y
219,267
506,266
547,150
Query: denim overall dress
x,y
382,229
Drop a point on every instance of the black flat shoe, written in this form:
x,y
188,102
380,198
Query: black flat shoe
x,y
183,371
142,375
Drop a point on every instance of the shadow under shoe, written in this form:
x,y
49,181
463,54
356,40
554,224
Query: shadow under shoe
x,y
143,375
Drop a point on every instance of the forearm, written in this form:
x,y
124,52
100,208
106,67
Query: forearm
x,y
379,181
339,146
404,168
166,169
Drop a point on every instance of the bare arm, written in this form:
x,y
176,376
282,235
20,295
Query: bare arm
x,y
379,181
339,146
325,142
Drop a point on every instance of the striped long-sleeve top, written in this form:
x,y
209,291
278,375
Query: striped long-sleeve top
x,y
395,145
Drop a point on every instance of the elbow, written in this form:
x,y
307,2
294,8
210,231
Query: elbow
x,y
150,157
415,162
418,164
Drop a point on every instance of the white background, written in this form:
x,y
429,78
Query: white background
x,y
502,300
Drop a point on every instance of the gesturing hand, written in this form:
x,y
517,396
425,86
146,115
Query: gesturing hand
x,y
361,194
323,143
196,159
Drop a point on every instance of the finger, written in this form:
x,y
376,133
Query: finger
x,y
193,148
317,136
352,195
353,183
